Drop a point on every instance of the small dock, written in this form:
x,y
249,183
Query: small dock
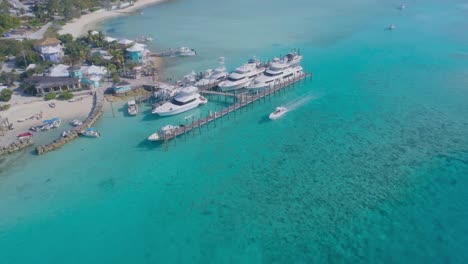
x,y
240,101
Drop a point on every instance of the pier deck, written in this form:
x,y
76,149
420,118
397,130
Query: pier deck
x,y
243,100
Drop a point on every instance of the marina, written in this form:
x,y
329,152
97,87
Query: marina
x,y
241,101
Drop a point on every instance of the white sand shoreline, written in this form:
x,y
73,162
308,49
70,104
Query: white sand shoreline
x,y
80,26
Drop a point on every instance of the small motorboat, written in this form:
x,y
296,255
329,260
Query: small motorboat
x,y
52,105
159,135
186,52
66,133
24,136
51,123
402,6
90,132
279,112
391,27
132,108
76,122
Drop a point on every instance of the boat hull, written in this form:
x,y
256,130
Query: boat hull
x,y
177,109
232,87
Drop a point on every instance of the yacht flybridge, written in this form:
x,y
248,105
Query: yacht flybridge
x,y
187,99
278,71
242,76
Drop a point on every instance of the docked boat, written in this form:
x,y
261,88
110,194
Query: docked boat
x,y
213,77
186,52
187,99
90,132
76,122
51,123
278,71
242,76
66,133
159,135
132,108
279,112
24,136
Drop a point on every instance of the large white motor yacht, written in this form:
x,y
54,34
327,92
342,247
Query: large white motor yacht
x,y
214,76
279,71
242,76
188,98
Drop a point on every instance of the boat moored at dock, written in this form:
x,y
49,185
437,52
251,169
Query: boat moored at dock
x,y
90,132
185,52
278,71
242,76
213,77
187,99
132,108
76,122
159,135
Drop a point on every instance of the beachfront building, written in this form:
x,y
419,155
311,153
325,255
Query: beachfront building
x,y
121,87
92,76
50,49
137,53
47,84
125,43
60,70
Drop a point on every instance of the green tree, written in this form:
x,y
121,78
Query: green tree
x,y
5,95
77,51
4,7
8,22
66,95
50,96
66,38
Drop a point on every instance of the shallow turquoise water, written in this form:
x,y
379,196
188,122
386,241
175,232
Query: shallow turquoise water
x,y
373,169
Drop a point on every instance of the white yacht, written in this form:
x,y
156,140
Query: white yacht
x,y
279,112
186,52
279,71
187,99
215,76
242,76
132,108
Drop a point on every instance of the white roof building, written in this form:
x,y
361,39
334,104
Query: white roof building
x,y
126,42
60,70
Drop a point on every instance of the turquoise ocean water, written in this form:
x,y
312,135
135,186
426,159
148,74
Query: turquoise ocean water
x,y
372,169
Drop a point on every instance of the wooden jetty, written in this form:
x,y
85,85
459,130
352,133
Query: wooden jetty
x,y
240,101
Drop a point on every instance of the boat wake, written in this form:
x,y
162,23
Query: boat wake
x,y
298,102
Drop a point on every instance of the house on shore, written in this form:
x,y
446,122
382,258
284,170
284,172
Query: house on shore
x,y
89,76
47,84
50,49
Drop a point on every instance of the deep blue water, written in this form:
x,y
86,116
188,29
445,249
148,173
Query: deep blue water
x,y
373,169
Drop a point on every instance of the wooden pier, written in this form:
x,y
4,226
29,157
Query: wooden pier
x,y
240,101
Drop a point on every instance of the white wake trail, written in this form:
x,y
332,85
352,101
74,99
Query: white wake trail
x,y
298,102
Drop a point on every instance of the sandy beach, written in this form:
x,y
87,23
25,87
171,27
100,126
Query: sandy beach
x,y
63,109
80,26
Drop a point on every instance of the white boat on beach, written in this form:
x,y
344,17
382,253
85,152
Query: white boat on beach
x,y
186,52
242,76
90,132
132,108
159,135
187,99
215,76
278,71
51,123
279,112
76,122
